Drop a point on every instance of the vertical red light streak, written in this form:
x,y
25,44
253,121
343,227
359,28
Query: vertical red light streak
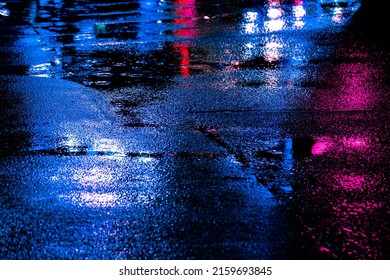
x,y
186,20
183,49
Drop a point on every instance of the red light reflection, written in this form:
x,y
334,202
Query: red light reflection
x,y
183,49
186,19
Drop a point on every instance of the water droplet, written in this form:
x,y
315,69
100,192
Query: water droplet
x,y
5,12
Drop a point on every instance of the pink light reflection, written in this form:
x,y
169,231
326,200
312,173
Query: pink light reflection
x,y
185,18
274,3
325,144
322,145
353,88
358,238
355,142
351,182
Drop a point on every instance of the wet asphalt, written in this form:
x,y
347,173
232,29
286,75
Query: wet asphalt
x,y
194,130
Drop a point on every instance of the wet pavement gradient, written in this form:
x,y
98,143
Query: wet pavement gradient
x,y
194,129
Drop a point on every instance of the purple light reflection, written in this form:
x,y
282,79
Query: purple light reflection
x,y
326,144
353,87
350,182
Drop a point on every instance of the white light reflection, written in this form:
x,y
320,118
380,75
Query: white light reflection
x,y
98,200
93,177
72,143
91,199
276,23
272,79
274,13
146,159
5,12
250,28
272,51
86,32
249,50
108,147
337,15
251,16
41,70
298,54
92,187
299,13
110,43
250,25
